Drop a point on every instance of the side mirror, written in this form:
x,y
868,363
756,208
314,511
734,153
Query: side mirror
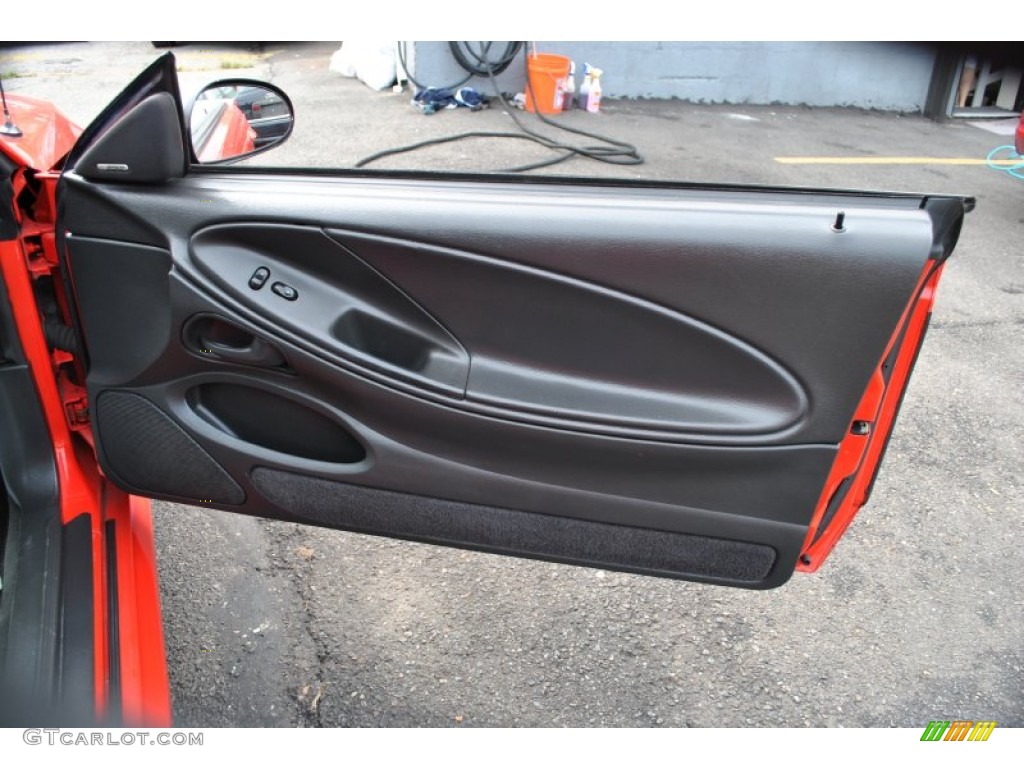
x,y
233,119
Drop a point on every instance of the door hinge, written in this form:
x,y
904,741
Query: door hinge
x,y
78,411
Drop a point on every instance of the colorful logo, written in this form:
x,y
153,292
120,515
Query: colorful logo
x,y
958,730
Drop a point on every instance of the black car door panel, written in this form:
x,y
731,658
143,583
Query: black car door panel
x,y
648,377
791,309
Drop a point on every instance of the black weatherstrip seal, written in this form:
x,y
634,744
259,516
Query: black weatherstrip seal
x,y
896,413
947,216
8,224
113,626
530,179
947,219
76,648
838,497
29,606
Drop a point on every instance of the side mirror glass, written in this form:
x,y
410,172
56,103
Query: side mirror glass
x,y
233,119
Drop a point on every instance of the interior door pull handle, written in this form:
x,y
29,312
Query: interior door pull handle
x,y
256,352
221,339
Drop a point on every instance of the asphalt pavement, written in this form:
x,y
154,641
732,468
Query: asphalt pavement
x,y
916,616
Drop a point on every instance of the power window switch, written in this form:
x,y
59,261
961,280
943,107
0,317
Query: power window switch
x,y
285,291
259,277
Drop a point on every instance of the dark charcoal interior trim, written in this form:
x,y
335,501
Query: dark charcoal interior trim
x,y
584,352
507,531
344,307
420,448
755,267
144,146
126,316
425,266
283,424
580,352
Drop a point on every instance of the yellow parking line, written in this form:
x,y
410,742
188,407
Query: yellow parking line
x,y
895,161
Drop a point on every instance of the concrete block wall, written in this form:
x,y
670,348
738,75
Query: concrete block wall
x,y
887,76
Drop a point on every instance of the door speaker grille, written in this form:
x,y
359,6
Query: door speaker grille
x,y
148,452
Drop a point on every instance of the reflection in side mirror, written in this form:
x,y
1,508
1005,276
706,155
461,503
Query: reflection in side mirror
x,y
232,119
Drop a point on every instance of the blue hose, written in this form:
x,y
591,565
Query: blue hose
x,y
1016,170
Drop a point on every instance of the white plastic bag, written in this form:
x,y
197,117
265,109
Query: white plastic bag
x,y
371,62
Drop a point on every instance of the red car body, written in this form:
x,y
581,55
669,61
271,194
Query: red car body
x,y
120,525
1019,136
226,134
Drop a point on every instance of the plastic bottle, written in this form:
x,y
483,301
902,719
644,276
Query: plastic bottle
x,y
594,91
590,90
581,100
569,92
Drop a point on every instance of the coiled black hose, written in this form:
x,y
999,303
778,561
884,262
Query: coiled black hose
x,y
478,63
